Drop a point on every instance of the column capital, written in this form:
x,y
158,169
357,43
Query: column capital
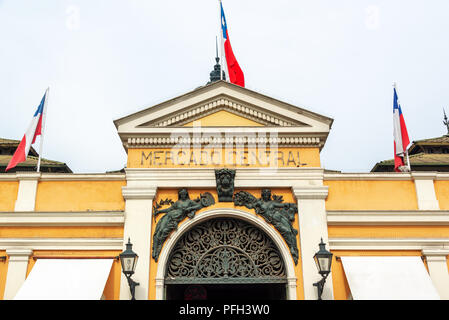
x,y
19,254
25,175
142,193
319,193
435,254
424,175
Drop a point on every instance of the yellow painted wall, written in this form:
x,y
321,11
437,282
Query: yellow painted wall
x,y
8,195
339,281
442,193
112,287
80,196
3,273
388,231
220,157
62,232
194,193
223,118
371,195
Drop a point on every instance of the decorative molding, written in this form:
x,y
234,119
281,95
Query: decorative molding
x,y
424,175
442,176
166,141
436,253
367,244
14,244
24,175
222,103
205,177
43,176
142,193
369,176
19,254
312,192
82,177
62,219
366,217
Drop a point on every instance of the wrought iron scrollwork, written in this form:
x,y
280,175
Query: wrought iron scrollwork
x,y
225,251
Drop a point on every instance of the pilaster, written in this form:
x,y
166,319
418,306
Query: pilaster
x,y
17,271
438,270
312,227
138,223
425,190
26,196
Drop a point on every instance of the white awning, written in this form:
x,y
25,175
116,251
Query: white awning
x,y
388,278
66,279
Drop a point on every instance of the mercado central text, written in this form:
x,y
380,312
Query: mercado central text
x,y
213,157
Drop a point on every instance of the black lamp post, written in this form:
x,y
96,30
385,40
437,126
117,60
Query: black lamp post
x,y
128,259
323,261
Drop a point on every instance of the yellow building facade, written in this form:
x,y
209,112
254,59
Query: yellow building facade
x,y
225,247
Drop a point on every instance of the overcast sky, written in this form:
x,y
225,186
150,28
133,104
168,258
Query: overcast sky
x,y
105,59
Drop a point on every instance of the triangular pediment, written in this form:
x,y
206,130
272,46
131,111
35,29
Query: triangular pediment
x,y
221,104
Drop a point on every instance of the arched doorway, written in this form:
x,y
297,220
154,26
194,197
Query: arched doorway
x,y
225,258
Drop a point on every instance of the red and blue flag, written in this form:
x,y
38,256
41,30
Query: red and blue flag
x,y
234,71
401,139
34,130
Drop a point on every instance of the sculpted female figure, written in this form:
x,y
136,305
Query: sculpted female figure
x,y
182,208
280,215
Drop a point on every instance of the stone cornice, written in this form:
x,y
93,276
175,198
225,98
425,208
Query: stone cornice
x,y
25,245
188,139
367,244
20,176
83,177
370,176
366,217
62,219
205,177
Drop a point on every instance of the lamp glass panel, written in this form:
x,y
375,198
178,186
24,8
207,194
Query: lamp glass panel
x,y
324,263
128,264
317,263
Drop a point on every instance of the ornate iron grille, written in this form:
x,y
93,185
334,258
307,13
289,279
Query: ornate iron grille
x,y
225,250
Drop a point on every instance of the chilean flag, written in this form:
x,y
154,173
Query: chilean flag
x,y
34,130
234,71
401,140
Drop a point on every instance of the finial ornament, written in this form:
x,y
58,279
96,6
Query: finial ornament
x,y
215,74
446,122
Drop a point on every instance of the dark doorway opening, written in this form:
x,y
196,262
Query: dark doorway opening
x,y
219,292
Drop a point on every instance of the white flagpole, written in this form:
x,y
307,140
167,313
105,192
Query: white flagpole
x,y
44,115
221,46
408,162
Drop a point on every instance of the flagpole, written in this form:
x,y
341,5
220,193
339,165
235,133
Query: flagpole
x,y
405,151
44,116
408,162
221,45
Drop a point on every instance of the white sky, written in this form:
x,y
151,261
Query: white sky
x,y
104,59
